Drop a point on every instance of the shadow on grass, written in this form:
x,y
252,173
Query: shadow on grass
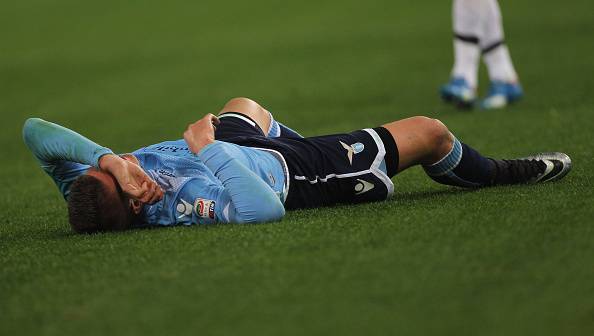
x,y
412,197
398,199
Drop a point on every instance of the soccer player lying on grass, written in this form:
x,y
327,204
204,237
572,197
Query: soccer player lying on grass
x,y
257,168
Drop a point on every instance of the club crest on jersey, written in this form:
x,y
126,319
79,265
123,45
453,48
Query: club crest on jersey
x,y
204,208
184,208
355,148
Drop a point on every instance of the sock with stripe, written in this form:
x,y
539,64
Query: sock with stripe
x,y
278,130
466,61
499,64
467,27
492,43
463,167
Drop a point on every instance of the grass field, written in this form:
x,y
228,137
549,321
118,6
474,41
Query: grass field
x,y
432,260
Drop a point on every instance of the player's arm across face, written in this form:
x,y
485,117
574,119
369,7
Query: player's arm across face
x,y
65,155
133,181
252,198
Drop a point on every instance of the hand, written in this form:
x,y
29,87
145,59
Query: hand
x,y
201,133
135,183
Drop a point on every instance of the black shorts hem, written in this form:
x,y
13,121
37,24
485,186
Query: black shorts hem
x,y
392,156
247,117
234,124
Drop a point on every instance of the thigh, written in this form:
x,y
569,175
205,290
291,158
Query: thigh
x,y
234,124
340,168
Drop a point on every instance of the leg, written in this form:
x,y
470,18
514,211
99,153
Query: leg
x,y
504,88
467,34
420,140
251,109
461,89
428,142
495,53
261,116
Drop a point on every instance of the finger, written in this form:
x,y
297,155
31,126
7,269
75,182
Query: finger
x,y
215,120
153,193
132,191
156,195
144,191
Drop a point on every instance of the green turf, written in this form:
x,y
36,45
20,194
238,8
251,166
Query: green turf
x,y
432,260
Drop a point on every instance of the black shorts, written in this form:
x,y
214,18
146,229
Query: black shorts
x,y
324,170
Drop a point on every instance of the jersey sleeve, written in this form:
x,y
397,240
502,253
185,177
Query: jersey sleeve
x,y
200,201
251,200
62,153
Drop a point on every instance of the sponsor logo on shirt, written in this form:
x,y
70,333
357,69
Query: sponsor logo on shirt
x,y
165,172
204,208
172,149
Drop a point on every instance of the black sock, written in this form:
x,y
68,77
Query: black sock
x,y
463,167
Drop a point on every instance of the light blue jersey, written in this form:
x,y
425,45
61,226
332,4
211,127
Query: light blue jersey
x,y
223,183
193,194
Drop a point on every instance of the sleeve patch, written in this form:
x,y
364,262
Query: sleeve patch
x,y
204,208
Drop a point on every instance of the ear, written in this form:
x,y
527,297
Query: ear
x,y
135,206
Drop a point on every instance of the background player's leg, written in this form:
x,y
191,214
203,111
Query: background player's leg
x,y
496,54
461,88
466,15
261,116
504,79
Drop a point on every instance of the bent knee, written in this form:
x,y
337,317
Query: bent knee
x,y
241,104
249,108
241,101
433,131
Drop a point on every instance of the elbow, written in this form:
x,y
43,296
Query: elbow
x,y
276,213
271,213
30,130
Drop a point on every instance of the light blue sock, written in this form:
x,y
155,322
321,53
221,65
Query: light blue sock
x,y
278,130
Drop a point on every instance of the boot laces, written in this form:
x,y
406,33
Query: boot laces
x,y
525,170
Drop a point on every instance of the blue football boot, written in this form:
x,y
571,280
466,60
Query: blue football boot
x,y
458,91
501,94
